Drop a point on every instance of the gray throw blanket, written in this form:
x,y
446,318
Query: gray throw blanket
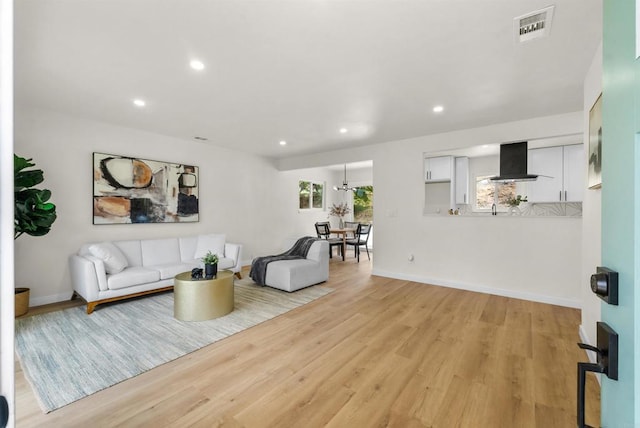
x,y
299,251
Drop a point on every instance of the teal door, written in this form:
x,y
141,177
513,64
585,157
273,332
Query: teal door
x,y
621,206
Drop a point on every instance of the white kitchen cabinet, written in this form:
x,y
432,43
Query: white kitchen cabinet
x,y
546,163
574,170
560,174
462,180
438,169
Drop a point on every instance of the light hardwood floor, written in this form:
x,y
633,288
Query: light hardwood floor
x,y
375,352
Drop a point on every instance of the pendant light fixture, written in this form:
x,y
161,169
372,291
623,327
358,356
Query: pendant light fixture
x,y
345,185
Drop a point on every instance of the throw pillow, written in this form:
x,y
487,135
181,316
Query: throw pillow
x,y
214,243
113,259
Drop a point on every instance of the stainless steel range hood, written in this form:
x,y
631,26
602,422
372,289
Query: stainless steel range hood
x,y
513,163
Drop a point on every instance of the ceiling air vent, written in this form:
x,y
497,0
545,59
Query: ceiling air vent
x,y
533,25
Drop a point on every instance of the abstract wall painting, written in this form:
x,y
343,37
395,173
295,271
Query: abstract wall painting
x,y
134,190
595,145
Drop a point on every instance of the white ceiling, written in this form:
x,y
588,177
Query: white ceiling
x,y
368,164
494,149
300,70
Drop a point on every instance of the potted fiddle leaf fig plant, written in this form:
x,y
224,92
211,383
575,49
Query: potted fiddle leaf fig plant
x,y
33,213
210,261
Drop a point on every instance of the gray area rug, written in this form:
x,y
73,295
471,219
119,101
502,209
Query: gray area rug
x,y
67,355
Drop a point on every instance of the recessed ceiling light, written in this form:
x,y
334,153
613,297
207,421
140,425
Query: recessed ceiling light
x,y
140,103
485,146
196,65
283,143
438,109
343,130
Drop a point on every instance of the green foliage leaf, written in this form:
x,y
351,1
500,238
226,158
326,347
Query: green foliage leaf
x,y
33,214
21,163
210,258
25,179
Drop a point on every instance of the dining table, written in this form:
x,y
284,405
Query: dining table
x,y
344,231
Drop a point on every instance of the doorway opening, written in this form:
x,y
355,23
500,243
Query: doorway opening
x,y
363,208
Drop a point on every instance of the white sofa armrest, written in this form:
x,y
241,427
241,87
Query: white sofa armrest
x,y
319,252
234,251
84,276
101,272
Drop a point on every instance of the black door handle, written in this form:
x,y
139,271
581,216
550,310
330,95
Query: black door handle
x,y
4,411
583,368
589,348
607,363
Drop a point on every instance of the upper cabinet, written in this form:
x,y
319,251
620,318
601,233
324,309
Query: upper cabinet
x,y
547,164
574,170
462,180
560,174
438,169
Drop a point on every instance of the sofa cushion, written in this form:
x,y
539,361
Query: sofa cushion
x,y
188,247
131,250
226,263
132,276
113,259
213,242
172,269
160,251
291,275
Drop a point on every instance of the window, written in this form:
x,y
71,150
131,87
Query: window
x,y
490,192
363,204
311,195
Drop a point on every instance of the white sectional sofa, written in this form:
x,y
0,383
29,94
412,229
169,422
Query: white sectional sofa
x,y
109,271
292,275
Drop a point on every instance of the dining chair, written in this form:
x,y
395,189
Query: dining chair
x,y
361,239
351,225
323,232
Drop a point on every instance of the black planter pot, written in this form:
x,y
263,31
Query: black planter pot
x,y
210,271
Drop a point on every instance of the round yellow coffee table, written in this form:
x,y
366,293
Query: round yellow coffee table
x,y
202,299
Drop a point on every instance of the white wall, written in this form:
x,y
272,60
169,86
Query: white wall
x,y
247,198
358,176
241,195
483,165
301,222
591,215
534,258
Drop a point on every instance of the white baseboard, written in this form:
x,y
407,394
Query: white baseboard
x,y
54,298
552,300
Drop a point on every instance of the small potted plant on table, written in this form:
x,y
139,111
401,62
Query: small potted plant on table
x,y
514,203
210,261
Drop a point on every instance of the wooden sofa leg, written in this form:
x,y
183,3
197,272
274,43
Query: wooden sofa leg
x,y
91,306
239,275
